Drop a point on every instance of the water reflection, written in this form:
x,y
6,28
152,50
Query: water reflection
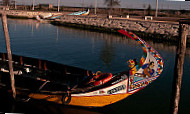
x,y
38,107
107,53
86,34
117,39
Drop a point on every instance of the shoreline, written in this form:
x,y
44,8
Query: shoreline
x,y
160,31
160,38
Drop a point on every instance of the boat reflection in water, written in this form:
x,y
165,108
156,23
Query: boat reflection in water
x,y
78,87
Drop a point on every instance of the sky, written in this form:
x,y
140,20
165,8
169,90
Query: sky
x,y
163,4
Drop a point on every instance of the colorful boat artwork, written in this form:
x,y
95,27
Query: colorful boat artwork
x,y
48,16
81,13
78,87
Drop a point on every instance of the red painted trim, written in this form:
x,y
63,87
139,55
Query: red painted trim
x,y
146,44
103,81
126,34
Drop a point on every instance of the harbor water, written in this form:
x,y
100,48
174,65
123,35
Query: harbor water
x,y
96,52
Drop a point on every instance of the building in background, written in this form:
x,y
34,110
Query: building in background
x,y
5,2
45,6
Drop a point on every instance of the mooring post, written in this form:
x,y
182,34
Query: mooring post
x,y
178,69
7,40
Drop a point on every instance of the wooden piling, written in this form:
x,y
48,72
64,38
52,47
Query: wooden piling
x,y
45,66
178,69
40,64
7,40
4,59
21,61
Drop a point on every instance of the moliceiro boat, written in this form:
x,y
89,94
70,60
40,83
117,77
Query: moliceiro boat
x,y
47,16
84,13
62,84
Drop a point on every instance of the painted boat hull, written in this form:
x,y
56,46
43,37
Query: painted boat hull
x,y
97,98
89,101
84,13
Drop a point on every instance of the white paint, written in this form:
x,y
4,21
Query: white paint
x,y
97,92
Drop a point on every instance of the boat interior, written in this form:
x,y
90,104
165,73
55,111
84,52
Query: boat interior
x,y
33,75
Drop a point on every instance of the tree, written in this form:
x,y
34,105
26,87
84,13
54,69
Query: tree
x,y
111,4
149,9
5,2
144,6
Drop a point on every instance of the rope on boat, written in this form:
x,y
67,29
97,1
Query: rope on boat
x,y
38,89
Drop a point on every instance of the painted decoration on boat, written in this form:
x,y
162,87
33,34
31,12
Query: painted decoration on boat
x,y
81,12
47,16
151,66
55,17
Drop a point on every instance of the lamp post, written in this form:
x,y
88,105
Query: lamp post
x,y
156,14
58,3
33,4
15,5
95,6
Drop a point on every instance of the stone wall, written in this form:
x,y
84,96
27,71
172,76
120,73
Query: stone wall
x,y
148,26
158,27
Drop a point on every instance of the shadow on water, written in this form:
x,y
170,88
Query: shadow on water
x,y
9,105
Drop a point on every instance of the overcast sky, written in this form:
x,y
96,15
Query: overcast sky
x,y
166,4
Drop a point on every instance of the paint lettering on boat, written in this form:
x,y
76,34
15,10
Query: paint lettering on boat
x,y
118,88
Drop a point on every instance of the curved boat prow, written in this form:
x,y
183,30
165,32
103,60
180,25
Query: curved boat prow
x,y
150,67
120,87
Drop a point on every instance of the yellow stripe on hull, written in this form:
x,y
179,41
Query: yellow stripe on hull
x,y
86,101
97,101
52,98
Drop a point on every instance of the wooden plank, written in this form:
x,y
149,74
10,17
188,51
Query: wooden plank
x,y
7,40
178,69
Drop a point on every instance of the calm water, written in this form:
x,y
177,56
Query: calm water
x,y
93,51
